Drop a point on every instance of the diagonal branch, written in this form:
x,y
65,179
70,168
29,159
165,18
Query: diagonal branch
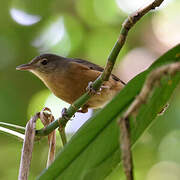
x,y
153,78
126,26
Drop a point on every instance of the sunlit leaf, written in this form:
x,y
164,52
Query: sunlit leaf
x,y
11,132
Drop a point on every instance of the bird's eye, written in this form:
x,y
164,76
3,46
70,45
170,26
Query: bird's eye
x,y
44,61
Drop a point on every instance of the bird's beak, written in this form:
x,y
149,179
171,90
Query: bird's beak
x,y
25,67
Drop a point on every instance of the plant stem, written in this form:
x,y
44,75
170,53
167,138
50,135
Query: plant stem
x,y
125,143
126,26
63,135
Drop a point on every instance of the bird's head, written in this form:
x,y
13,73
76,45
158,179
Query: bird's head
x,y
44,64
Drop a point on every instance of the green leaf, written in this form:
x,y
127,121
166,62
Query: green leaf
x,y
13,127
12,133
93,152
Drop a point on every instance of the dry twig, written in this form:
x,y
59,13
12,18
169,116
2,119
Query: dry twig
x,y
46,118
28,144
26,154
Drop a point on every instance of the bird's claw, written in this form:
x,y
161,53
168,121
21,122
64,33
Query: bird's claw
x,y
90,88
64,113
93,91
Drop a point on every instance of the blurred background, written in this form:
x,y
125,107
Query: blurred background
x,y
84,29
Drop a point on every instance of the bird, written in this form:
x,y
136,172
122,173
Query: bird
x,y
68,78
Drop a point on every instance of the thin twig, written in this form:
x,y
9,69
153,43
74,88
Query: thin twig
x,y
126,148
127,25
153,79
46,118
62,134
28,144
52,148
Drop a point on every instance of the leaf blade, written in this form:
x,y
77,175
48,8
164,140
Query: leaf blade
x,y
88,142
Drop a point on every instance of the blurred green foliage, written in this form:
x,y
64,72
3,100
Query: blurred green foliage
x,y
84,29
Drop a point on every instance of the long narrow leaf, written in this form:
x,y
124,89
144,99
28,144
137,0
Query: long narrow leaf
x,y
11,132
93,152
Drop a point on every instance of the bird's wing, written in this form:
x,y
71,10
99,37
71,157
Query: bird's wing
x,y
95,67
89,64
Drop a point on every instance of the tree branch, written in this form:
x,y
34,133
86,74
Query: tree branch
x,y
126,26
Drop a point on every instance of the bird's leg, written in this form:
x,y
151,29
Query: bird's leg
x,y
64,113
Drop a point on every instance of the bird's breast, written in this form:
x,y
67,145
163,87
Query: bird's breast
x,y
67,87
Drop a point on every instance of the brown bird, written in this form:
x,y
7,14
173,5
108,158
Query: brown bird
x,y
68,79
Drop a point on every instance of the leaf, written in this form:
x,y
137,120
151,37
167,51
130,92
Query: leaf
x,y
93,152
13,133
13,127
13,130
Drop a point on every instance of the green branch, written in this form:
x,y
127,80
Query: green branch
x,y
126,26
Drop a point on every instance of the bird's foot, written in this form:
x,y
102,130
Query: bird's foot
x,y
93,91
64,113
90,88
